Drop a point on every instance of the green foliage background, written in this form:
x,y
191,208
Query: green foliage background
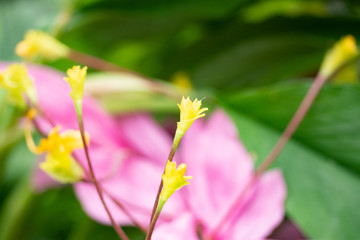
x,y
256,59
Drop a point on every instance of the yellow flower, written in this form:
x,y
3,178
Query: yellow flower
x,y
59,164
182,81
343,51
16,81
189,112
76,78
38,43
173,179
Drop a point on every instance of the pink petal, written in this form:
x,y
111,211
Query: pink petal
x,y
261,212
184,227
53,96
219,164
135,184
145,136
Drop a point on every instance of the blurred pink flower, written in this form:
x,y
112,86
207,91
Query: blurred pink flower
x,y
221,168
54,100
119,152
129,156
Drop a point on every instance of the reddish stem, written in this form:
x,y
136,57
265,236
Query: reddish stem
x,y
102,65
118,229
118,203
153,213
124,209
284,138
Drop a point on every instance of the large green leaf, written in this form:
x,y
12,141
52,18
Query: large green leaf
x,y
234,54
322,195
331,127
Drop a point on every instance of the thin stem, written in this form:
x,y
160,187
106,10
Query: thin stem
x,y
118,229
103,65
127,213
284,138
118,203
154,218
294,123
153,221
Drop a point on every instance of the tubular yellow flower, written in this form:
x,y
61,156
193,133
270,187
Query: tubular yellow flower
x,y
173,179
37,43
343,51
76,78
189,112
182,81
16,81
59,164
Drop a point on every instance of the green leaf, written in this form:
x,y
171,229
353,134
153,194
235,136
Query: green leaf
x,y
14,209
189,8
331,127
234,54
17,16
322,195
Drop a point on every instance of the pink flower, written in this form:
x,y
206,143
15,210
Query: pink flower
x,y
221,168
137,179
119,152
54,99
129,156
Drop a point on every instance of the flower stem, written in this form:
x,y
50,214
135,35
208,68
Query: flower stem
x,y
118,203
154,214
105,66
154,220
294,123
284,138
126,212
290,129
118,229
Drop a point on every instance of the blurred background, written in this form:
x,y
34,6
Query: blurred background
x,y
237,53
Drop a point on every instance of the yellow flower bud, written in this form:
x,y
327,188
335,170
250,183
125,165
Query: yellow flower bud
x,y
40,44
189,112
182,81
343,51
16,81
76,78
59,164
173,179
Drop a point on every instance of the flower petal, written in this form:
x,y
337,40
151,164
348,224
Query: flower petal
x,y
261,212
220,167
184,227
135,184
145,136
